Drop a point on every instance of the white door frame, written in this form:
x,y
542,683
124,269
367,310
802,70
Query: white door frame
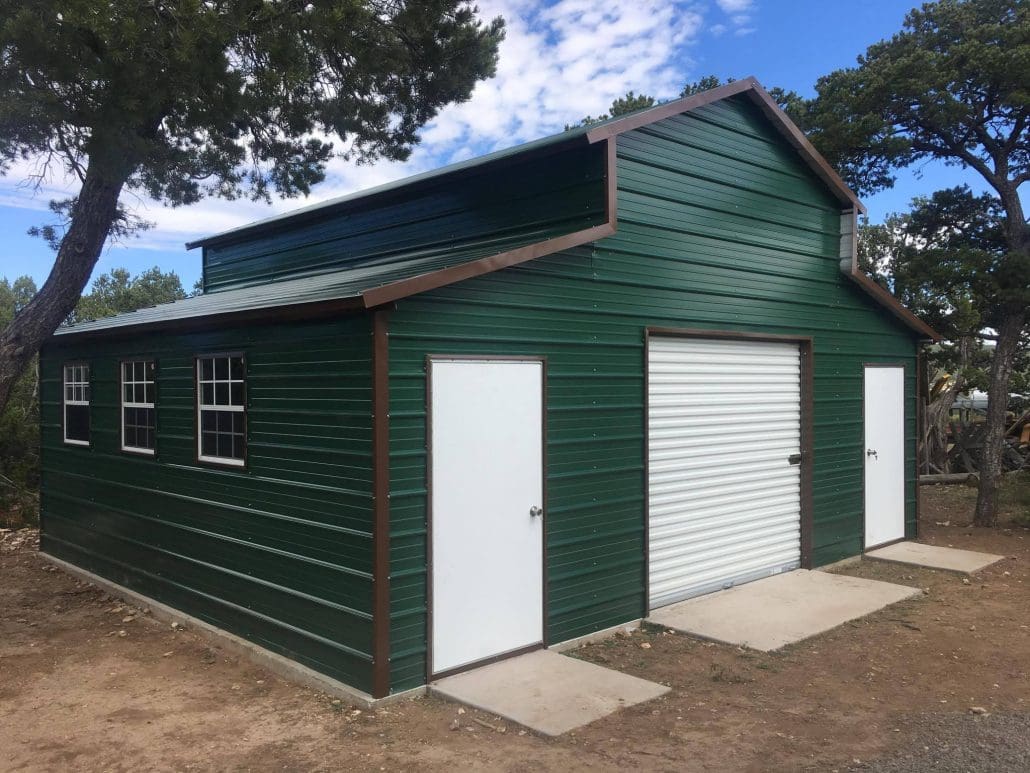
x,y
432,675
866,366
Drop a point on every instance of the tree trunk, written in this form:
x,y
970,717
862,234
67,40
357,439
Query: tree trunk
x,y
92,216
1009,332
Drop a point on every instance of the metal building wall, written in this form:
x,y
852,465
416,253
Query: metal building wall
x,y
533,199
280,552
720,226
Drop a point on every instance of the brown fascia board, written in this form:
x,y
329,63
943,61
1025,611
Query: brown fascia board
x,y
753,89
850,268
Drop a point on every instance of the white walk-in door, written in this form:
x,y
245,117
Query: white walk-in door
x,y
487,523
724,454
884,454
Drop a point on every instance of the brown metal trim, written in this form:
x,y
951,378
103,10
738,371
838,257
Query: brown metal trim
x,y
741,335
865,443
753,89
121,408
922,387
430,358
487,661
807,351
64,406
646,610
226,466
403,288
611,194
381,504
888,543
805,346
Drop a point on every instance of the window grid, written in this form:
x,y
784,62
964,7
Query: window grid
x,y
76,404
221,410
139,414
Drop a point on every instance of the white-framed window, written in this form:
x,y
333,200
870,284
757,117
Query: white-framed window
x,y
139,414
76,403
221,409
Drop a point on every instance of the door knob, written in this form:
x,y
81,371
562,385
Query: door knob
x,y
871,452
535,511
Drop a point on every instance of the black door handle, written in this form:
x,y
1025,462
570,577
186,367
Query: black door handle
x,y
794,459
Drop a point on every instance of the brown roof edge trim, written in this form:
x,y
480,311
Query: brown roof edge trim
x,y
766,103
849,267
381,503
288,312
431,281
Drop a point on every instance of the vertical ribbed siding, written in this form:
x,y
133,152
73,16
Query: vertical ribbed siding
x,y
280,552
721,226
531,201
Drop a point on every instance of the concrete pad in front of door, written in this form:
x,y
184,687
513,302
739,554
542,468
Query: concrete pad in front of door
x,y
933,557
776,611
547,692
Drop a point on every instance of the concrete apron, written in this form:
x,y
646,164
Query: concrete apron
x,y
776,611
934,557
547,692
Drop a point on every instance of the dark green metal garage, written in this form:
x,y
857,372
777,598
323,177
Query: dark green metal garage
x,y
500,405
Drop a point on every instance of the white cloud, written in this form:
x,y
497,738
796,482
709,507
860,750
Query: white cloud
x,y
559,62
740,13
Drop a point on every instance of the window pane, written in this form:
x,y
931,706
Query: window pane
x,y
236,372
207,369
237,446
207,394
208,444
76,425
222,393
148,393
208,421
150,370
236,393
85,392
222,368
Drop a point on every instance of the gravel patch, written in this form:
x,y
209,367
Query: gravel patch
x,y
961,744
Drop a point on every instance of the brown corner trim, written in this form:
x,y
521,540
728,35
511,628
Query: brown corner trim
x,y
431,281
381,504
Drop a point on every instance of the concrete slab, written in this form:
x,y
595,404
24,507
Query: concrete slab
x,y
547,692
934,557
776,611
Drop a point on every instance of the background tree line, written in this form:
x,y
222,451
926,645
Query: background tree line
x,y
112,293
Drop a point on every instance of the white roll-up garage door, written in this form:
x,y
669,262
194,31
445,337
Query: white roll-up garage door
x,y
724,420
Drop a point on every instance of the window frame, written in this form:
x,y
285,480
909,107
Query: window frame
x,y
200,457
122,405
65,402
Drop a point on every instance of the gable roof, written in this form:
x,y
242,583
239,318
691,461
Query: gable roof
x,y
369,286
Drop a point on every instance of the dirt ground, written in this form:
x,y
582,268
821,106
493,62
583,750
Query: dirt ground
x,y
87,683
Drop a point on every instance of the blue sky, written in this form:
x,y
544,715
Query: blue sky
x,y
561,60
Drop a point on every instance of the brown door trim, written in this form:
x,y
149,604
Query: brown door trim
x,y
381,504
805,346
429,360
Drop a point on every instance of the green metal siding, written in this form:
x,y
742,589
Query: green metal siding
x,y
512,205
720,226
279,553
